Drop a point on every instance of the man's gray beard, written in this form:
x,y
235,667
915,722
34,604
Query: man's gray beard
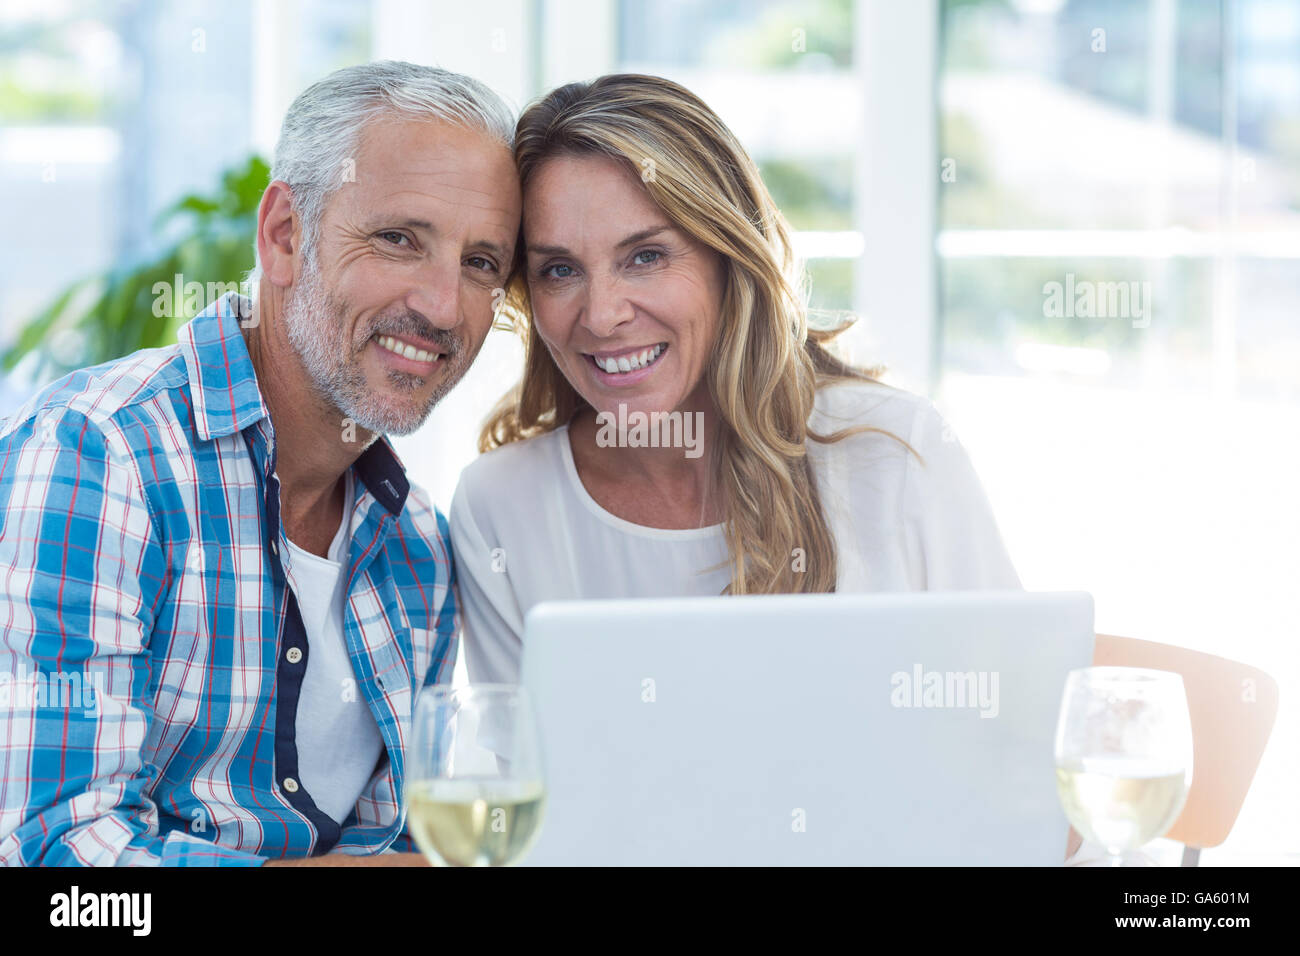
x,y
315,322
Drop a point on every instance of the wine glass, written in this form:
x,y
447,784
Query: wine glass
x,y
475,791
1123,757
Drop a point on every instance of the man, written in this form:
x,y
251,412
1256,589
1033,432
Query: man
x,y
213,542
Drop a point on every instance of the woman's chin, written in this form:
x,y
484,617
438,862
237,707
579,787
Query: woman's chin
x,y
636,425
640,401
641,404
628,411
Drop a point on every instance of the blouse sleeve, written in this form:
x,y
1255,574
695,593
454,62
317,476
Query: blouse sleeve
x,y
952,538
493,638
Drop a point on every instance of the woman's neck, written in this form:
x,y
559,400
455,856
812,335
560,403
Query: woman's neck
x,y
653,470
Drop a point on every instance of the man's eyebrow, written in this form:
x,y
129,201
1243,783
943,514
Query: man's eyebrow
x,y
494,247
629,241
384,222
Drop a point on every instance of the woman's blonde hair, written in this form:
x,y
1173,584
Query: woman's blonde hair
x,y
766,365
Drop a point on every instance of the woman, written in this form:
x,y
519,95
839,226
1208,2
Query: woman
x,y
658,278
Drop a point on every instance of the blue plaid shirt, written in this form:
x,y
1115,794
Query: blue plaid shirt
x,y
147,690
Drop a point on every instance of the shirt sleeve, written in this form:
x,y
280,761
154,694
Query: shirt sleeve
x,y
450,627
450,624
493,638
83,575
403,843
953,541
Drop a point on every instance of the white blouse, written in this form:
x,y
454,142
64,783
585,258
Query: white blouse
x,y
524,529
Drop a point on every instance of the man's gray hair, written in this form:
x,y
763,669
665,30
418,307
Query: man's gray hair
x,y
316,152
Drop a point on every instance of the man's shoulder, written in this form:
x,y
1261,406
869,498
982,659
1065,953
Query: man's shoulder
x,y
107,395
419,559
422,539
423,516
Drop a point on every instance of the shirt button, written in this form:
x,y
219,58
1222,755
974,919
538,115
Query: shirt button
x,y
290,784
293,655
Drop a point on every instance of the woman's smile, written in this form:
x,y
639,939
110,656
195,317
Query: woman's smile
x,y
620,368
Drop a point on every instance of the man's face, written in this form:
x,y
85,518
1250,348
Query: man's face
x,y
409,259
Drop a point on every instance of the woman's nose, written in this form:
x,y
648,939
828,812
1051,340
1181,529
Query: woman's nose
x,y
607,307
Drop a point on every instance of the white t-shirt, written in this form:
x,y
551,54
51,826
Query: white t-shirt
x,y
337,737
525,530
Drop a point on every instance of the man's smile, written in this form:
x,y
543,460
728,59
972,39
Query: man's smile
x,y
411,355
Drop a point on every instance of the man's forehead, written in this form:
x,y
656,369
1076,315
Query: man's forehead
x,y
409,170
416,198
430,147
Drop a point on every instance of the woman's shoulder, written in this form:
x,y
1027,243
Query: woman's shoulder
x,y
907,445
889,414
514,472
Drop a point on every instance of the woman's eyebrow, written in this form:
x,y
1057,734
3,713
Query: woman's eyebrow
x,y
641,236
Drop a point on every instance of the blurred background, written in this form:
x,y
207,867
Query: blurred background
x,y
955,170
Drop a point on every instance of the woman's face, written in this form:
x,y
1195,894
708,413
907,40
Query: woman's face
x,y
627,303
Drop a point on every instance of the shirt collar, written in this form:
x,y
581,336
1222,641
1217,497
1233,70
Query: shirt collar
x,y
223,384
226,398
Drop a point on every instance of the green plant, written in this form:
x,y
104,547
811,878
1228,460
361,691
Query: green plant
x,y
215,244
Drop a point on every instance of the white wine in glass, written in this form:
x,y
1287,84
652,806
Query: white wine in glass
x,y
475,794
1123,757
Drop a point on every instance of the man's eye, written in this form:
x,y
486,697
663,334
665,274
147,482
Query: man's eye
x,y
396,238
557,271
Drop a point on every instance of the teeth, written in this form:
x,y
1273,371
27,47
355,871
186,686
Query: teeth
x,y
407,351
629,363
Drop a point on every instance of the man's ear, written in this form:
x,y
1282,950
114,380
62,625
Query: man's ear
x,y
278,234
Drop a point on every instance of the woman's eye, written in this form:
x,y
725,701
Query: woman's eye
x,y
646,257
559,271
482,264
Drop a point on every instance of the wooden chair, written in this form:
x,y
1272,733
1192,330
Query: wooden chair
x,y
1232,707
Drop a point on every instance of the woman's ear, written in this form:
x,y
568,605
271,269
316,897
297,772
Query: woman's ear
x,y
278,234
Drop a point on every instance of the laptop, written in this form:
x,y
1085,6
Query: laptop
x,y
885,729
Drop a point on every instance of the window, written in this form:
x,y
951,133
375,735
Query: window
x,y
1118,342
768,68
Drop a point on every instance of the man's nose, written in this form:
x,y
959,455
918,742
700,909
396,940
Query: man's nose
x,y
607,307
435,293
